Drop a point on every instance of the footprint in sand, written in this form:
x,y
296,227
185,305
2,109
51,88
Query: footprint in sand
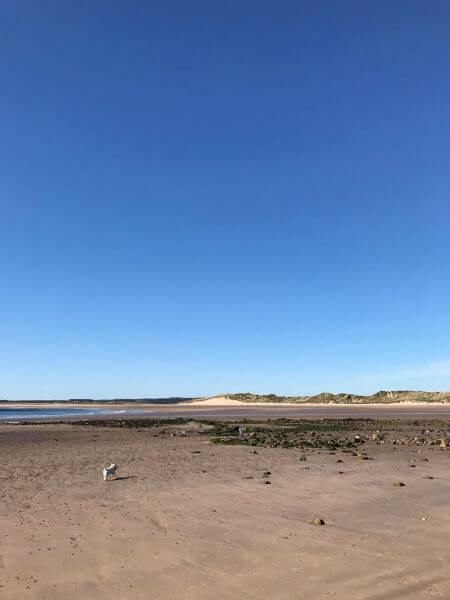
x,y
435,590
158,525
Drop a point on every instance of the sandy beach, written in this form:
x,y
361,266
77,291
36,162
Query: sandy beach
x,y
188,518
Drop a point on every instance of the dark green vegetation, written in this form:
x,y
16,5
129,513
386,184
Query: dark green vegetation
x,y
284,433
170,400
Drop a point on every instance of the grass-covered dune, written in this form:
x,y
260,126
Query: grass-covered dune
x,y
381,397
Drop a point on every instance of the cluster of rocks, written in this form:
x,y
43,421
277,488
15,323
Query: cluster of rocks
x,y
317,434
328,434
426,438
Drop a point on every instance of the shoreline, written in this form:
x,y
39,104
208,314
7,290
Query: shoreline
x,y
17,404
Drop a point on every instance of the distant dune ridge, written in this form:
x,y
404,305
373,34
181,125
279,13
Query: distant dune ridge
x,y
381,397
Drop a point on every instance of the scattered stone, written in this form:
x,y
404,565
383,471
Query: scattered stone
x,y
377,436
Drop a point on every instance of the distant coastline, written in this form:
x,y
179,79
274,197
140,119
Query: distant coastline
x,y
381,397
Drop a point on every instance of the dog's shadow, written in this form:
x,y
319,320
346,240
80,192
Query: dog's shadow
x,y
122,478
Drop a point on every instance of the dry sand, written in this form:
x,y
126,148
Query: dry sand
x,y
189,519
226,401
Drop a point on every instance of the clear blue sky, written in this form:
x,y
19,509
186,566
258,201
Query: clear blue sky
x,y
213,197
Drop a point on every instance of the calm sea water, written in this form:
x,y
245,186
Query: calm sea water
x,y
20,414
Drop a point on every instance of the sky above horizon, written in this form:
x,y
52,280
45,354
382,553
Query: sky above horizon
x,y
199,198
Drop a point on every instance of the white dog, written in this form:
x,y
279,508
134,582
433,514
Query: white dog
x,y
111,470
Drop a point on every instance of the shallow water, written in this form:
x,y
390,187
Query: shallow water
x,y
20,414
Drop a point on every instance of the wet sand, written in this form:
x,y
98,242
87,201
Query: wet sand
x,y
290,411
207,411
188,519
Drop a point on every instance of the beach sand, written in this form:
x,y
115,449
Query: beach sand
x,y
190,519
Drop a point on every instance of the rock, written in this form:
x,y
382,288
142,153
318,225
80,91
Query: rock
x,y
341,472
428,477
302,458
266,482
266,474
399,484
318,521
339,460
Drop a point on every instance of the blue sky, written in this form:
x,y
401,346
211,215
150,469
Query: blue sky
x,y
216,197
